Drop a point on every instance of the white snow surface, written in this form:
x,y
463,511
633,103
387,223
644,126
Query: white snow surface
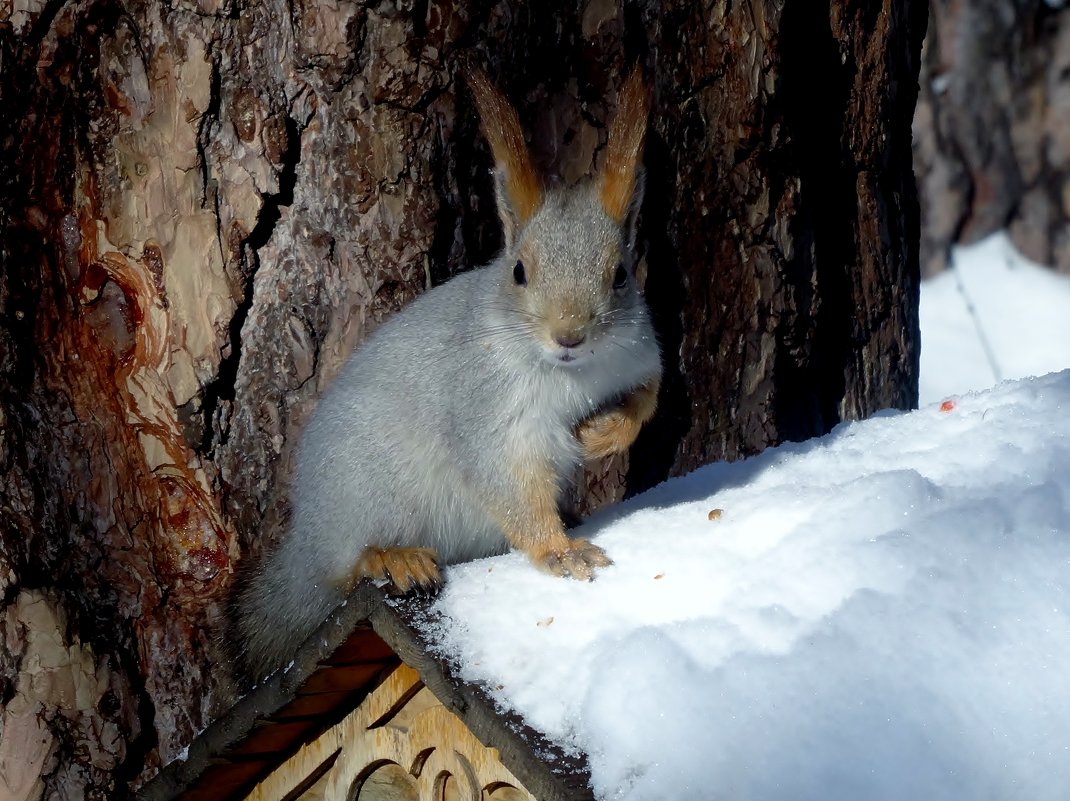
x,y
995,315
881,613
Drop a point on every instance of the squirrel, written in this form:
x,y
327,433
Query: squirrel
x,y
451,432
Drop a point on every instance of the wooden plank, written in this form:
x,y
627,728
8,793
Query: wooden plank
x,y
273,738
339,679
363,645
222,782
301,791
316,705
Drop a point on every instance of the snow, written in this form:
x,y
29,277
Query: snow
x,y
881,613
995,315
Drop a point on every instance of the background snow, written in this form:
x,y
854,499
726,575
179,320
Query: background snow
x,y
882,613
1019,324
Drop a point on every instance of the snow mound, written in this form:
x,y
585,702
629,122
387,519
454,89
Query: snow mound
x,y
882,613
994,316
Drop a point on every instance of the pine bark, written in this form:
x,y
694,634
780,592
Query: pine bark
x,y
992,128
205,205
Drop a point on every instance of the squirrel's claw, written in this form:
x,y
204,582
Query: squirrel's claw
x,y
578,561
407,569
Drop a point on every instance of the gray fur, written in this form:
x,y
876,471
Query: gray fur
x,y
423,422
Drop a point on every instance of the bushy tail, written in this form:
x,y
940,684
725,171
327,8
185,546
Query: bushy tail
x,y
273,608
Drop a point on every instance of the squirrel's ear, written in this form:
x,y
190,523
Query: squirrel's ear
x,y
619,180
518,188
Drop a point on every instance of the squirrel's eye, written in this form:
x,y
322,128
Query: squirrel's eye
x,y
620,277
518,274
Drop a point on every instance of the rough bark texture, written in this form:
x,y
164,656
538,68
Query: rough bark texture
x,y
992,128
205,205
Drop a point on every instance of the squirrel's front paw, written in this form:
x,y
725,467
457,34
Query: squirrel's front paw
x,y
577,561
607,433
406,569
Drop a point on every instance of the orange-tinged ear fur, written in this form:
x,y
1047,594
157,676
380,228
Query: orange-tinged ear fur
x,y
501,126
616,180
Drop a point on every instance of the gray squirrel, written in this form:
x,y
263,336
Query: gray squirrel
x,y
450,433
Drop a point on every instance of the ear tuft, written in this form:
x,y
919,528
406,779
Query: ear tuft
x,y
501,126
617,178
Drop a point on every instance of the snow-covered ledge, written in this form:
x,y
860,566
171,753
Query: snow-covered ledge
x,y
882,613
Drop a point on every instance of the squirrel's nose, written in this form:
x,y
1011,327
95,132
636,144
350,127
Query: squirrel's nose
x,y
571,339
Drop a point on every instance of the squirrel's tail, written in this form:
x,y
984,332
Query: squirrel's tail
x,y
273,608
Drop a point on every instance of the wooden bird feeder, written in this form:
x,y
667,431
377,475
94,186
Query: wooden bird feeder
x,y
366,713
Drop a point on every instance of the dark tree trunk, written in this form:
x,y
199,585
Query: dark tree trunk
x,y
992,128
205,205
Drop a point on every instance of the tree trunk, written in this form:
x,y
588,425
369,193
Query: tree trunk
x,y
206,205
993,128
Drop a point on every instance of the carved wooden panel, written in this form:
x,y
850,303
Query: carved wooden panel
x,y
400,744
